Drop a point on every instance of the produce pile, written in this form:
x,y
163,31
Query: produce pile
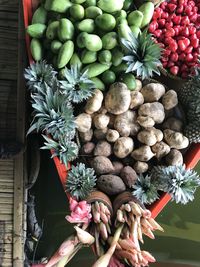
x,y
176,26
90,34
123,133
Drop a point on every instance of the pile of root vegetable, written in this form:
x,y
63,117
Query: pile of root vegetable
x,y
125,133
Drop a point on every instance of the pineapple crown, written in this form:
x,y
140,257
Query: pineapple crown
x,y
52,114
65,149
145,190
76,86
38,74
177,181
142,54
80,181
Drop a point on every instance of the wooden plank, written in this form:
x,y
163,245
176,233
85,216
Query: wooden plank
x,y
18,238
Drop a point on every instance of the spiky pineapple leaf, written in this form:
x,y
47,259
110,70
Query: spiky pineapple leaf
x,y
179,182
80,181
38,74
52,115
65,149
145,190
76,86
142,55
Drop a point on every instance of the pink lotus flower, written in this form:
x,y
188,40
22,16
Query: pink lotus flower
x,y
80,212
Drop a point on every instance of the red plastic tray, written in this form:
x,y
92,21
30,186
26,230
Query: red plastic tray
x,y
191,158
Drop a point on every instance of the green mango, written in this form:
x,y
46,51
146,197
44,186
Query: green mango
x,y
117,56
93,42
88,3
127,4
75,60
36,30
52,29
86,25
120,68
80,40
40,15
88,57
55,46
110,6
98,83
104,56
129,80
65,54
78,1
121,14
135,18
95,69
36,49
106,22
109,40
60,6
120,20
147,9
65,30
108,77
77,12
92,12
124,31
136,30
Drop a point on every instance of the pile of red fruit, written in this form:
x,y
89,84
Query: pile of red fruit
x,y
176,26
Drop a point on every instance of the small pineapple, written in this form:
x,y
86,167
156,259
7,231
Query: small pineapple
x,y
189,96
192,131
52,115
76,86
142,55
65,149
80,181
179,182
38,74
145,190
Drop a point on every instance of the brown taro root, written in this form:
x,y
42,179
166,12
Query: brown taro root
x,y
83,122
87,136
155,110
153,92
94,103
101,121
145,121
161,149
137,99
100,134
126,123
129,176
175,139
143,153
123,147
174,157
112,135
111,184
174,124
170,99
150,136
118,166
102,165
103,148
141,167
88,148
118,99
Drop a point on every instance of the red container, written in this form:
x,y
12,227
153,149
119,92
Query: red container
x,y
191,158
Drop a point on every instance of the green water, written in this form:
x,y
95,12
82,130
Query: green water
x,y
179,243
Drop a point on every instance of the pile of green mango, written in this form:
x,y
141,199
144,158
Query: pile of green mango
x,y
87,33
